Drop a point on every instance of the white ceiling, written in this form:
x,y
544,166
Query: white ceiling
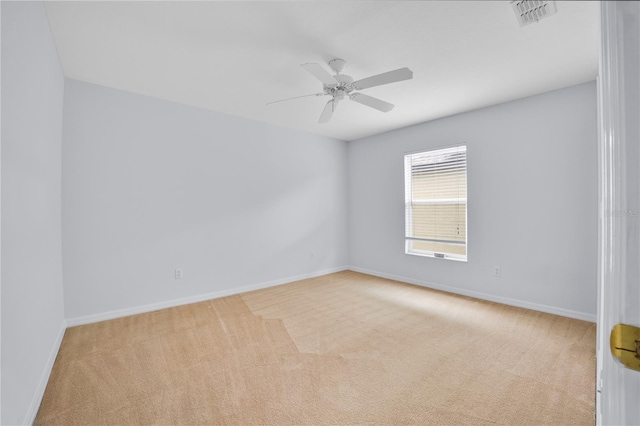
x,y
235,56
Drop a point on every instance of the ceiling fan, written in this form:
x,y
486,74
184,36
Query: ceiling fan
x,y
340,86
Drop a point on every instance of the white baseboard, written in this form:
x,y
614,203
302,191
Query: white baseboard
x,y
44,379
103,316
88,319
484,296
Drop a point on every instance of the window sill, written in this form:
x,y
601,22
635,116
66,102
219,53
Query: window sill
x,y
432,255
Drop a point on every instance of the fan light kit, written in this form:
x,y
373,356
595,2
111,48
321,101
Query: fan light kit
x,y
530,11
341,86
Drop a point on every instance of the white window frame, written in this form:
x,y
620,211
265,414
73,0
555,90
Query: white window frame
x,y
410,202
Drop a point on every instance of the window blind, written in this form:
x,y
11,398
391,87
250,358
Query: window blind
x,y
436,203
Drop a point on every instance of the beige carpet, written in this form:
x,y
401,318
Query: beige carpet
x,y
344,348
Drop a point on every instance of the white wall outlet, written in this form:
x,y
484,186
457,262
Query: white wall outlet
x,y
178,274
312,255
497,271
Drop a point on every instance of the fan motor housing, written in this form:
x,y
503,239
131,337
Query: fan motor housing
x,y
342,88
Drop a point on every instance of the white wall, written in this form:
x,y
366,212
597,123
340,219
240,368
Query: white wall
x,y
32,301
150,186
532,196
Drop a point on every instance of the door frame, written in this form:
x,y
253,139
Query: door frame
x,y
611,397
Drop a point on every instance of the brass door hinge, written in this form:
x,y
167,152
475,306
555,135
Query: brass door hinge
x,y
625,345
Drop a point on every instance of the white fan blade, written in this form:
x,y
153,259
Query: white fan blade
x,y
372,102
320,73
297,97
327,112
384,78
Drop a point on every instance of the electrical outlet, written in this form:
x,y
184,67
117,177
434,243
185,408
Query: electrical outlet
x,y
497,271
178,274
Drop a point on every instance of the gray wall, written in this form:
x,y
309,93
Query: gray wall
x,y
32,301
532,196
150,186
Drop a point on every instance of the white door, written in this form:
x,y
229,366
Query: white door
x,y
618,400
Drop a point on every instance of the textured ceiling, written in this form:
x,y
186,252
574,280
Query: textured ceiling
x,y
235,57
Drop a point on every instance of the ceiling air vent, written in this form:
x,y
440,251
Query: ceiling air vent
x,y
530,11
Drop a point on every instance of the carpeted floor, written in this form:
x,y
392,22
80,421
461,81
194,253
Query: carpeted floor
x,y
344,348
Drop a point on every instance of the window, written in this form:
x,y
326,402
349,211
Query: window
x,y
436,203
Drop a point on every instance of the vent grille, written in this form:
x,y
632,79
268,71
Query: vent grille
x,y
530,11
